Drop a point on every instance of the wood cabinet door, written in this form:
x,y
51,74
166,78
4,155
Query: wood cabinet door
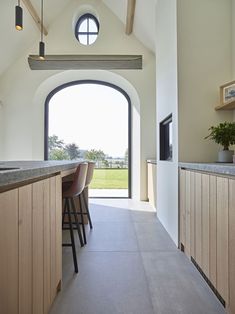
x,y
9,261
182,206
46,246
152,170
222,237
198,218
37,237
25,250
192,214
232,246
187,214
205,224
58,233
53,236
213,231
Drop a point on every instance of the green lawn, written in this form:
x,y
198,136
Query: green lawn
x,y
110,179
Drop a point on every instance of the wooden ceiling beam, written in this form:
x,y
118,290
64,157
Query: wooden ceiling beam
x,y
86,62
35,16
130,16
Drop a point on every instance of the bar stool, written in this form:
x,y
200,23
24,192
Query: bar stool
x,y
89,176
69,191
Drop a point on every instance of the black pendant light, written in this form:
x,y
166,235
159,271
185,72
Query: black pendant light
x,y
41,43
18,17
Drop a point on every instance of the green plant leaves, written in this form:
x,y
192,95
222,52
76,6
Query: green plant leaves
x,y
223,134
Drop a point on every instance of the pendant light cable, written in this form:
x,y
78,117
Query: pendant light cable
x,y
41,43
41,20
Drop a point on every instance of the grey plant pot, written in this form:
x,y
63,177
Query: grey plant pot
x,y
225,156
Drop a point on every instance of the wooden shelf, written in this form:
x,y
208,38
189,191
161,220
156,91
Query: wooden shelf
x,y
228,106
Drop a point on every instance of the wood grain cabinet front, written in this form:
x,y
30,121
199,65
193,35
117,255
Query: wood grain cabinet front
x,y
30,246
207,228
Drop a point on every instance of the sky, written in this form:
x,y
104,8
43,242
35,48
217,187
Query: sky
x,y
92,116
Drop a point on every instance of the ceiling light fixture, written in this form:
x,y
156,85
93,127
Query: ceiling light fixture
x,y
41,43
18,17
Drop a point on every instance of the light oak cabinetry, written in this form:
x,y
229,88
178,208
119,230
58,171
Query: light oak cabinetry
x,y
30,240
207,228
152,183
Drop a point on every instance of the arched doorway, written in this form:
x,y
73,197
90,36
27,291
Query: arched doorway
x,y
92,119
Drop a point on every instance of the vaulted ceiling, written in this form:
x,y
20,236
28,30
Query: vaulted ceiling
x,y
13,44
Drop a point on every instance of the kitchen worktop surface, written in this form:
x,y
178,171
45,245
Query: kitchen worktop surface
x,y
152,161
219,168
13,172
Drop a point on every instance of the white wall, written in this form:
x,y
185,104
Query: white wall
x,y
233,37
1,130
167,103
23,128
204,63
233,45
194,57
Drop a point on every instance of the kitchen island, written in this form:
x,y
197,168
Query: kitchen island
x,y
31,234
207,224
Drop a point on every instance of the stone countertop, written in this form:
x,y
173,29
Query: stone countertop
x,y
152,161
30,170
219,168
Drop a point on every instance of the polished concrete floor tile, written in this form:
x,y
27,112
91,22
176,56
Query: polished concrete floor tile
x,y
143,216
176,287
103,213
152,236
131,266
108,283
112,236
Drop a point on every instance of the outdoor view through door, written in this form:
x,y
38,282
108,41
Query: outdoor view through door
x,y
91,120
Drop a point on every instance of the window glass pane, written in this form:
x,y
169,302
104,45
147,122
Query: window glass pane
x,y
83,39
83,26
106,142
92,39
86,25
92,26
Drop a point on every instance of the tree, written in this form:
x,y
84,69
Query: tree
x,y
72,150
54,142
96,155
58,154
106,163
126,156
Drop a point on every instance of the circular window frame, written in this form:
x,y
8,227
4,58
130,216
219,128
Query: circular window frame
x,y
81,19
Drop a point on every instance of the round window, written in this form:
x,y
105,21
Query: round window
x,y
87,29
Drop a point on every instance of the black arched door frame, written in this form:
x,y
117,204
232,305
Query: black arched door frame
x,y
95,82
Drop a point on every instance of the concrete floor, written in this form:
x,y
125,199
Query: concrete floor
x,y
131,266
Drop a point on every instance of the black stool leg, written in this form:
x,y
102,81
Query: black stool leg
x,y
77,223
64,211
72,238
82,220
87,210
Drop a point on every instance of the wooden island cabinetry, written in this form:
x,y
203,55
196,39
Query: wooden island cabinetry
x,y
207,228
30,268
31,236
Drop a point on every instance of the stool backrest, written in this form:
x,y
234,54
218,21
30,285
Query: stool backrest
x,y
79,180
90,171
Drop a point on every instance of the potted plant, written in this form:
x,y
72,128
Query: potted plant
x,y
223,134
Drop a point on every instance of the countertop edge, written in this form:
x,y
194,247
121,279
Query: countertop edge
x,y
217,168
32,171
152,161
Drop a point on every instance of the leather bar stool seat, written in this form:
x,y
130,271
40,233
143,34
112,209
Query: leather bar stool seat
x,y
89,176
70,190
